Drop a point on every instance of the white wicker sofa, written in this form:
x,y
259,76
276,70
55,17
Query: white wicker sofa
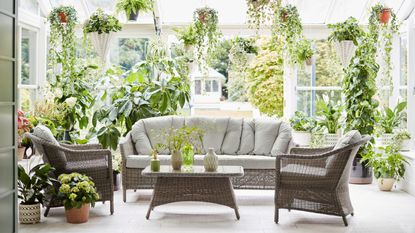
x,y
251,143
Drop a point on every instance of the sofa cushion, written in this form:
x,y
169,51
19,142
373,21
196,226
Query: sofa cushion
x,y
232,139
140,139
246,161
282,143
157,129
350,137
266,131
247,138
55,156
214,131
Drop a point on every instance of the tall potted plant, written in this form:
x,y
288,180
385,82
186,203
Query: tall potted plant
x,y
388,120
32,187
100,27
133,7
388,167
328,116
78,193
302,126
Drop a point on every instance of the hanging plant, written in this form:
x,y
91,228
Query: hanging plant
x,y
101,22
287,23
383,22
304,52
260,11
206,31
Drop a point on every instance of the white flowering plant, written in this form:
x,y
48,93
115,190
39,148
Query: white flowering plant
x,y
77,189
116,163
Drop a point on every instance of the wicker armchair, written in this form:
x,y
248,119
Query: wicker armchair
x,y
316,180
90,160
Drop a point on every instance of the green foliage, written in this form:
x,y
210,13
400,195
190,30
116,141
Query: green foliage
x,y
391,164
303,51
347,30
77,189
329,71
131,51
219,60
133,6
390,119
266,81
187,35
158,86
302,122
329,113
178,138
260,11
247,44
205,21
32,185
101,22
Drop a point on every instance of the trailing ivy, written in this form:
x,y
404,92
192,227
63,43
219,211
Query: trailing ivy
x,y
260,11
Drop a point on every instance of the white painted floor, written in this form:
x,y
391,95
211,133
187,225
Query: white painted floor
x,y
375,211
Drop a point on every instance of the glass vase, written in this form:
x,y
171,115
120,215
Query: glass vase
x,y
188,156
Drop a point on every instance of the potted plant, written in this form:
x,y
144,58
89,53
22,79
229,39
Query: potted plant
x,y
155,162
403,139
116,170
23,126
302,126
63,15
78,193
388,167
32,187
345,35
187,35
304,52
388,120
385,15
132,7
259,12
328,116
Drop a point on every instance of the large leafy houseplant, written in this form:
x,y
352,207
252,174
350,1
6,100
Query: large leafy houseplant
x,y
389,119
132,7
101,22
158,86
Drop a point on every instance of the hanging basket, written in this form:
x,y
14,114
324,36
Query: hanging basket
x,y
385,15
345,51
101,43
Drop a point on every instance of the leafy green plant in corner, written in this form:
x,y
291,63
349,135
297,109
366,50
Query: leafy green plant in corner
x,y
101,22
134,6
347,30
390,119
328,114
301,122
33,185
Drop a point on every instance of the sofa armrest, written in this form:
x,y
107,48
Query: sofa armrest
x,y
127,146
310,151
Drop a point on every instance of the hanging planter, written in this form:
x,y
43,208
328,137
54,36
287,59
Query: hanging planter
x,y
345,51
133,16
259,12
385,15
132,7
63,15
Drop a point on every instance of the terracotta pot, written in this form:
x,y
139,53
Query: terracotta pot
x,y
29,214
78,215
385,15
386,184
20,153
176,160
117,180
62,17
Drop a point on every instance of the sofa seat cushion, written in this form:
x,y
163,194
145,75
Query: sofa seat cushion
x,y
301,175
246,161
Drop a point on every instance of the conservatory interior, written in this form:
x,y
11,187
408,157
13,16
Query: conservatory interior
x,y
207,115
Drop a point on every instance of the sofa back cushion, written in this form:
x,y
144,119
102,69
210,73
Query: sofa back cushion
x,y
282,142
140,139
233,135
266,131
247,142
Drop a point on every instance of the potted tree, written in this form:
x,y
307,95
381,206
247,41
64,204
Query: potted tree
x,y
302,126
388,120
328,116
100,27
78,193
132,7
32,187
345,35
388,167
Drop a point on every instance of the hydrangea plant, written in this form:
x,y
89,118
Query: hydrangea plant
x,y
77,189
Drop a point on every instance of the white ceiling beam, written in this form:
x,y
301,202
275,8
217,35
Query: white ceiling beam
x,y
86,8
45,7
329,14
406,9
365,11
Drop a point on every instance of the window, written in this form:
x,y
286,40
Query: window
x,y
126,52
27,76
198,87
403,67
211,86
323,77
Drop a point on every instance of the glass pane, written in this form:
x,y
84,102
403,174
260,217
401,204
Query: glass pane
x,y
30,5
28,56
126,52
215,87
329,71
306,100
208,86
404,60
198,87
304,76
26,99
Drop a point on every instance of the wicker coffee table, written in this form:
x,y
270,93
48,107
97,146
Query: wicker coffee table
x,y
195,185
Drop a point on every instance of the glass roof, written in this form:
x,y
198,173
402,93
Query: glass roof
x,y
233,12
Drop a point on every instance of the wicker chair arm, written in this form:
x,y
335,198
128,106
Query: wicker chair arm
x,y
82,147
310,151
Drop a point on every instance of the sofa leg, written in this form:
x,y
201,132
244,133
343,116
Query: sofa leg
x,y
112,206
124,194
276,215
345,221
352,214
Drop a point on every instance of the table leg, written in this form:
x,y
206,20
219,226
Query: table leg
x,y
235,206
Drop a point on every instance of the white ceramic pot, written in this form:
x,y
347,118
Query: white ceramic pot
x,y
210,161
385,139
302,138
331,139
345,51
386,184
29,214
406,145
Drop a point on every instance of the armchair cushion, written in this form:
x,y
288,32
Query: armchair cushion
x,y
350,137
56,157
282,143
140,139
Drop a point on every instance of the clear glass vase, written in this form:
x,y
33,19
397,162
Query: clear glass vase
x,y
188,156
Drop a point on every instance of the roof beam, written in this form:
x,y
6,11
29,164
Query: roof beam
x,y
365,11
45,7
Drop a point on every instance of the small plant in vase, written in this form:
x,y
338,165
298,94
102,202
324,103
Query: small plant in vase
x,y
388,167
132,7
302,125
32,187
78,193
388,120
155,162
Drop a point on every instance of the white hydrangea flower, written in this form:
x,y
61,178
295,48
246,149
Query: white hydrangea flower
x,y
71,101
